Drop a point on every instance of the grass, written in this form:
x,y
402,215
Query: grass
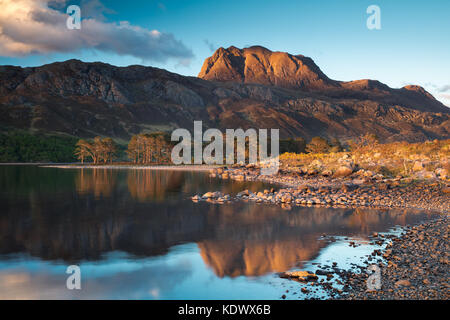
x,y
390,160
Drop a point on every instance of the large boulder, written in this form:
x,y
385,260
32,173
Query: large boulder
x,y
343,171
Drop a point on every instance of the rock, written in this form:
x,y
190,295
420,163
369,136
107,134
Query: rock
x,y
403,283
286,198
316,163
425,175
243,193
321,272
383,186
418,166
208,195
300,275
217,194
442,173
343,171
368,174
387,253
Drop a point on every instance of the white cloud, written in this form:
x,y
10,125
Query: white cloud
x,y
443,94
444,98
33,27
445,88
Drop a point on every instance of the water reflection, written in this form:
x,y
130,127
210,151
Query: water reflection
x,y
145,185
98,182
77,216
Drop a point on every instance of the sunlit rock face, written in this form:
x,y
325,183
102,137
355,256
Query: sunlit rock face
x,y
260,65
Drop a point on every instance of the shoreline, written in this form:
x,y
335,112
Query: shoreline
x,y
414,265
202,168
430,195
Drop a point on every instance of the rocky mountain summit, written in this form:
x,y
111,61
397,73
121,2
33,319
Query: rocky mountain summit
x,y
260,65
247,88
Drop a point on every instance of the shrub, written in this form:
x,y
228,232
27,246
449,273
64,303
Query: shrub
x,y
297,145
318,145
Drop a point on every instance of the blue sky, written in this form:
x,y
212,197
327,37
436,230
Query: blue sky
x,y
412,46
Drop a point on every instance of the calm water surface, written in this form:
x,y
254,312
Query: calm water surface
x,y
137,235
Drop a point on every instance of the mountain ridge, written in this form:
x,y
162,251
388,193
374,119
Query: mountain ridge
x,y
260,65
88,99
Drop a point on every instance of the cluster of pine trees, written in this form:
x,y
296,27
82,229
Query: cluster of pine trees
x,y
142,148
156,148
101,150
149,148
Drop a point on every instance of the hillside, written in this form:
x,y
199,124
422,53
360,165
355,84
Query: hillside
x,y
248,88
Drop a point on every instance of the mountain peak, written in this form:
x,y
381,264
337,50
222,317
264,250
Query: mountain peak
x,y
418,89
260,65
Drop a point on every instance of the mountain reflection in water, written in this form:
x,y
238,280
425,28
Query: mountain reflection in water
x,y
77,215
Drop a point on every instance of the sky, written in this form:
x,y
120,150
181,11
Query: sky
x,y
411,47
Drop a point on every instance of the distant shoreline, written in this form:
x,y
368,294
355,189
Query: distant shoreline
x,y
30,163
113,166
133,166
